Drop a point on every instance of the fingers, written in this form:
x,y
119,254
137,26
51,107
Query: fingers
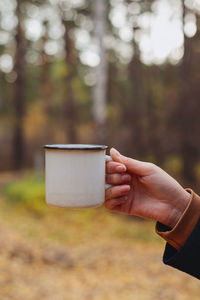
x,y
118,178
117,191
134,166
113,204
115,167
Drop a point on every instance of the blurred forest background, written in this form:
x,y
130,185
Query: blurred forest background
x,y
83,71
125,73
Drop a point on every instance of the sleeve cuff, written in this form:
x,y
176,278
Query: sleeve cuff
x,y
178,235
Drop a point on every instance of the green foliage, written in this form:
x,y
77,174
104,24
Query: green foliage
x,y
59,70
28,193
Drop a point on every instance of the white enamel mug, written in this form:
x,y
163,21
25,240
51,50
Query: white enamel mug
x,y
75,175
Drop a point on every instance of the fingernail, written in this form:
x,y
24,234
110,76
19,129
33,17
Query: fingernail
x,y
125,188
116,152
121,168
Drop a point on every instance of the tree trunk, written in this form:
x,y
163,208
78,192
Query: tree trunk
x,y
45,82
100,88
136,111
18,134
188,150
46,91
69,105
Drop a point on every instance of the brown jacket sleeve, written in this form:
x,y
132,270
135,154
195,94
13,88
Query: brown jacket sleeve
x,y
178,235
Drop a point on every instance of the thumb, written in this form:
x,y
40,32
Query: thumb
x,y
133,166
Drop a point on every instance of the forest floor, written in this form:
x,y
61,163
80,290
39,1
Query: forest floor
x,y
88,255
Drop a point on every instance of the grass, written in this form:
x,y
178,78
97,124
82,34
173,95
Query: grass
x,y
79,254
25,208
28,192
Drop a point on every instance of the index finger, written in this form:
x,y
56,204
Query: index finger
x,y
115,167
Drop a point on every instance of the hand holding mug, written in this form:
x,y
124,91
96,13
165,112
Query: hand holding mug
x,y
145,190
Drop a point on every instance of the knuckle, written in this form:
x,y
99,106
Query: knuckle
x,y
109,194
113,203
109,204
151,165
110,167
116,178
108,178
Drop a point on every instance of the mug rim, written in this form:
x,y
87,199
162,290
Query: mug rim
x,y
75,147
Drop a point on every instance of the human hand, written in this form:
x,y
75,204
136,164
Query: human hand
x,y
144,190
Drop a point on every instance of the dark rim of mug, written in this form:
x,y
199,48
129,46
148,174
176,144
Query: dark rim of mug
x,y
75,147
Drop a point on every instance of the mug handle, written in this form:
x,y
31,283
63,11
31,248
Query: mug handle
x,y
108,158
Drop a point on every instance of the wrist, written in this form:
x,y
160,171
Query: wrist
x,y
178,210
178,235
